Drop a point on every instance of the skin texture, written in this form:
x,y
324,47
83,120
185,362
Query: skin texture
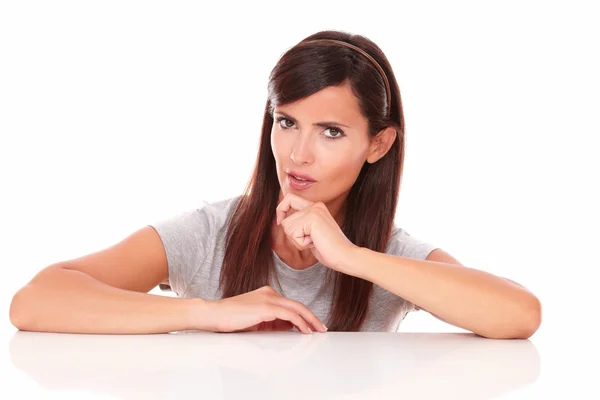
x,y
334,163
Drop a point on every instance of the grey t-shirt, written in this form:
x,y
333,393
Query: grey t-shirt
x,y
194,243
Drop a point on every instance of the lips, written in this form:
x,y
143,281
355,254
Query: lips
x,y
296,184
302,176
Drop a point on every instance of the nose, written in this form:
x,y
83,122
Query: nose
x,y
302,152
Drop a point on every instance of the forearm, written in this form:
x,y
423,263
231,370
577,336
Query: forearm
x,y
70,301
475,300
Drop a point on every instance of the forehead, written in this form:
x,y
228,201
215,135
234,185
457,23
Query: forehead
x,y
336,103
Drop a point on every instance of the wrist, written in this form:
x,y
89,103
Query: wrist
x,y
199,315
351,260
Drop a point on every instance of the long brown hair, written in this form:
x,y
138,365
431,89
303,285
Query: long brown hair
x,y
371,204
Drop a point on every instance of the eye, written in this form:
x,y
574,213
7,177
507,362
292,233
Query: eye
x,y
285,121
338,133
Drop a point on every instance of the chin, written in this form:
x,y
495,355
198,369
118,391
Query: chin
x,y
302,193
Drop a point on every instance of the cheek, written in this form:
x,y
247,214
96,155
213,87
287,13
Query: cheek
x,y
343,167
278,145
276,148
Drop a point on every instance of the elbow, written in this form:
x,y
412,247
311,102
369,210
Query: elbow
x,y
18,312
532,318
24,310
523,327
528,322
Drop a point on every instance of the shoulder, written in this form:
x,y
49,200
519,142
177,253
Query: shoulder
x,y
204,220
218,212
221,204
404,244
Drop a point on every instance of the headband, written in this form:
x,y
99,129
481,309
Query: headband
x,y
371,59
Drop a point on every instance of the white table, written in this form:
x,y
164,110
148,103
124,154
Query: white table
x,y
282,365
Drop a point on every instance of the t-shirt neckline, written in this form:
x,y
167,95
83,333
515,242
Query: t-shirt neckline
x,y
287,267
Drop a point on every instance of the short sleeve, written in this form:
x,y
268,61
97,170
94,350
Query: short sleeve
x,y
405,245
187,238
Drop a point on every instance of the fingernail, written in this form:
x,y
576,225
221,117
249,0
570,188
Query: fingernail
x,y
310,330
324,327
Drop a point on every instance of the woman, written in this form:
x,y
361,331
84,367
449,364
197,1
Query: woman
x,y
311,241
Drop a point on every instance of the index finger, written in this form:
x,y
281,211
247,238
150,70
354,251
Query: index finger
x,y
304,312
289,202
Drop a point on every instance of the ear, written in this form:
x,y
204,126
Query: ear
x,y
381,144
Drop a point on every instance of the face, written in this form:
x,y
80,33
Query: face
x,y
323,136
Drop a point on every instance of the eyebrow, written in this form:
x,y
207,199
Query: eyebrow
x,y
324,124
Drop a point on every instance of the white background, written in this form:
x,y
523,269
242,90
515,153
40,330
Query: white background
x,y
116,114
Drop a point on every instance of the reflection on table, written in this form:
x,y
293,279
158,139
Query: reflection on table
x,y
286,365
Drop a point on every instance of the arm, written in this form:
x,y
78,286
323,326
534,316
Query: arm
x,y
105,292
472,299
70,301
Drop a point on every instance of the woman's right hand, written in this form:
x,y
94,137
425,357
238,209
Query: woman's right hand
x,y
262,310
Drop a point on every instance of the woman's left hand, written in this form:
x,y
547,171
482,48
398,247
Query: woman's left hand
x,y
312,227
